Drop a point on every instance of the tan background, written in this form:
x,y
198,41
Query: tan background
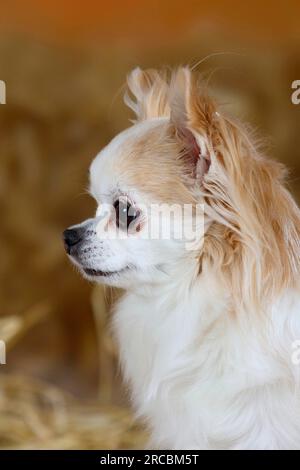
x,y
64,64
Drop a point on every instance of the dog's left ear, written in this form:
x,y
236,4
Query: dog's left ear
x,y
192,116
148,96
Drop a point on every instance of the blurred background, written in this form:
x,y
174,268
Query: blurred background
x,y
64,64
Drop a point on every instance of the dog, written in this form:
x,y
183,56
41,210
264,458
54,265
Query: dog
x,y
205,330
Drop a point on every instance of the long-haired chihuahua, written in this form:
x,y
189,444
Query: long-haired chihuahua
x,y
211,309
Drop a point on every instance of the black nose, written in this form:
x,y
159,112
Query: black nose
x,y
71,237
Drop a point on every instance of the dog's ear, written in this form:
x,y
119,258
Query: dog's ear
x,y
192,115
149,94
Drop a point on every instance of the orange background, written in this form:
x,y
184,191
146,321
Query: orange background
x,y
276,22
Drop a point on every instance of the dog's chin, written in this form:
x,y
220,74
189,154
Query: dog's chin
x,y
114,278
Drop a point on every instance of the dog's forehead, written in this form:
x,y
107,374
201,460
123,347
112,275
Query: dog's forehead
x,y
141,160
112,164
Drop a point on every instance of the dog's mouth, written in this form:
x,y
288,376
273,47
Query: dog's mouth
x,y
100,273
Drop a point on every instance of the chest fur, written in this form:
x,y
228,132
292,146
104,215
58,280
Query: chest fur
x,y
187,363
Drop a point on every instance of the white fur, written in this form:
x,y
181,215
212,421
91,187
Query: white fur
x,y
200,379
203,381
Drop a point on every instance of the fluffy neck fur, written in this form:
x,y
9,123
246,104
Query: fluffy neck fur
x,y
202,379
254,240
207,354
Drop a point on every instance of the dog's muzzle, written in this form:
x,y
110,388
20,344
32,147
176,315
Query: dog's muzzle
x,y
72,236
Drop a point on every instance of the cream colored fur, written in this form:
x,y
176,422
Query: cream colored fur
x,y
205,337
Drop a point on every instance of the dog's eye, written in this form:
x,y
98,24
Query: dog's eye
x,y
125,214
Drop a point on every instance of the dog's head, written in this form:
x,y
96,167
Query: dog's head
x,y
145,178
181,152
